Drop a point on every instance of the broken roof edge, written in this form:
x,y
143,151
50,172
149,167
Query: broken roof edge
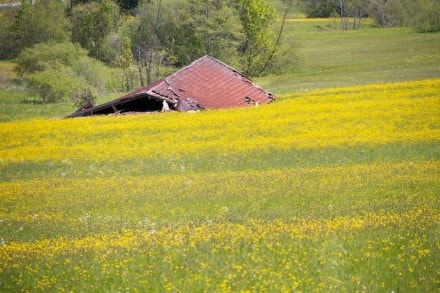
x,y
89,111
163,90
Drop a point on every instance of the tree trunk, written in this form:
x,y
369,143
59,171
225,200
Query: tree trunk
x,y
148,66
343,16
139,65
277,43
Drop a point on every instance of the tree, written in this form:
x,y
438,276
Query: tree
x,y
239,32
358,10
283,47
6,20
342,9
92,23
385,12
125,61
256,17
424,15
428,17
318,8
128,5
44,21
153,36
215,26
355,9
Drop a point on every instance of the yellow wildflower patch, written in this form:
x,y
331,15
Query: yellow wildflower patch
x,y
370,115
331,190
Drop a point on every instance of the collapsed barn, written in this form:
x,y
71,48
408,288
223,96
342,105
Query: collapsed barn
x,y
207,83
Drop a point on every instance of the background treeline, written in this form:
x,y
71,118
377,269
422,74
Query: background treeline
x,y
144,40
423,15
79,49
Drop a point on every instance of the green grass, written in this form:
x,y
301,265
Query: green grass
x,y
334,58
353,217
19,105
350,217
296,11
192,189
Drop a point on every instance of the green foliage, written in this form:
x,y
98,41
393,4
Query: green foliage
x,y
82,96
163,33
420,14
94,72
92,23
318,8
257,18
56,85
7,75
43,21
284,56
128,4
157,38
424,15
215,25
428,17
387,13
6,20
240,33
125,60
78,76
48,56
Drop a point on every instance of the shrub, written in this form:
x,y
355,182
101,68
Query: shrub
x,y
56,85
45,56
94,72
81,97
428,18
318,8
61,72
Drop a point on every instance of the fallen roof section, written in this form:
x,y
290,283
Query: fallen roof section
x,y
207,83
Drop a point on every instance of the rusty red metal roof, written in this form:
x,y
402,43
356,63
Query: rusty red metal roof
x,y
207,83
212,84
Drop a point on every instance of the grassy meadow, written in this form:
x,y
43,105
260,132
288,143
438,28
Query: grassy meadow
x,y
333,187
369,55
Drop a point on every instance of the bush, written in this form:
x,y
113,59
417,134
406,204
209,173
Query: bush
x,y
423,15
61,72
45,56
318,8
94,72
57,85
428,18
81,97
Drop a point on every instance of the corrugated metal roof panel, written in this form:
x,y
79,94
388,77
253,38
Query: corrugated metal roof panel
x,y
206,83
212,84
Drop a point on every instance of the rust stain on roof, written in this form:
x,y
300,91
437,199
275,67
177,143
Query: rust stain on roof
x,y
207,83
